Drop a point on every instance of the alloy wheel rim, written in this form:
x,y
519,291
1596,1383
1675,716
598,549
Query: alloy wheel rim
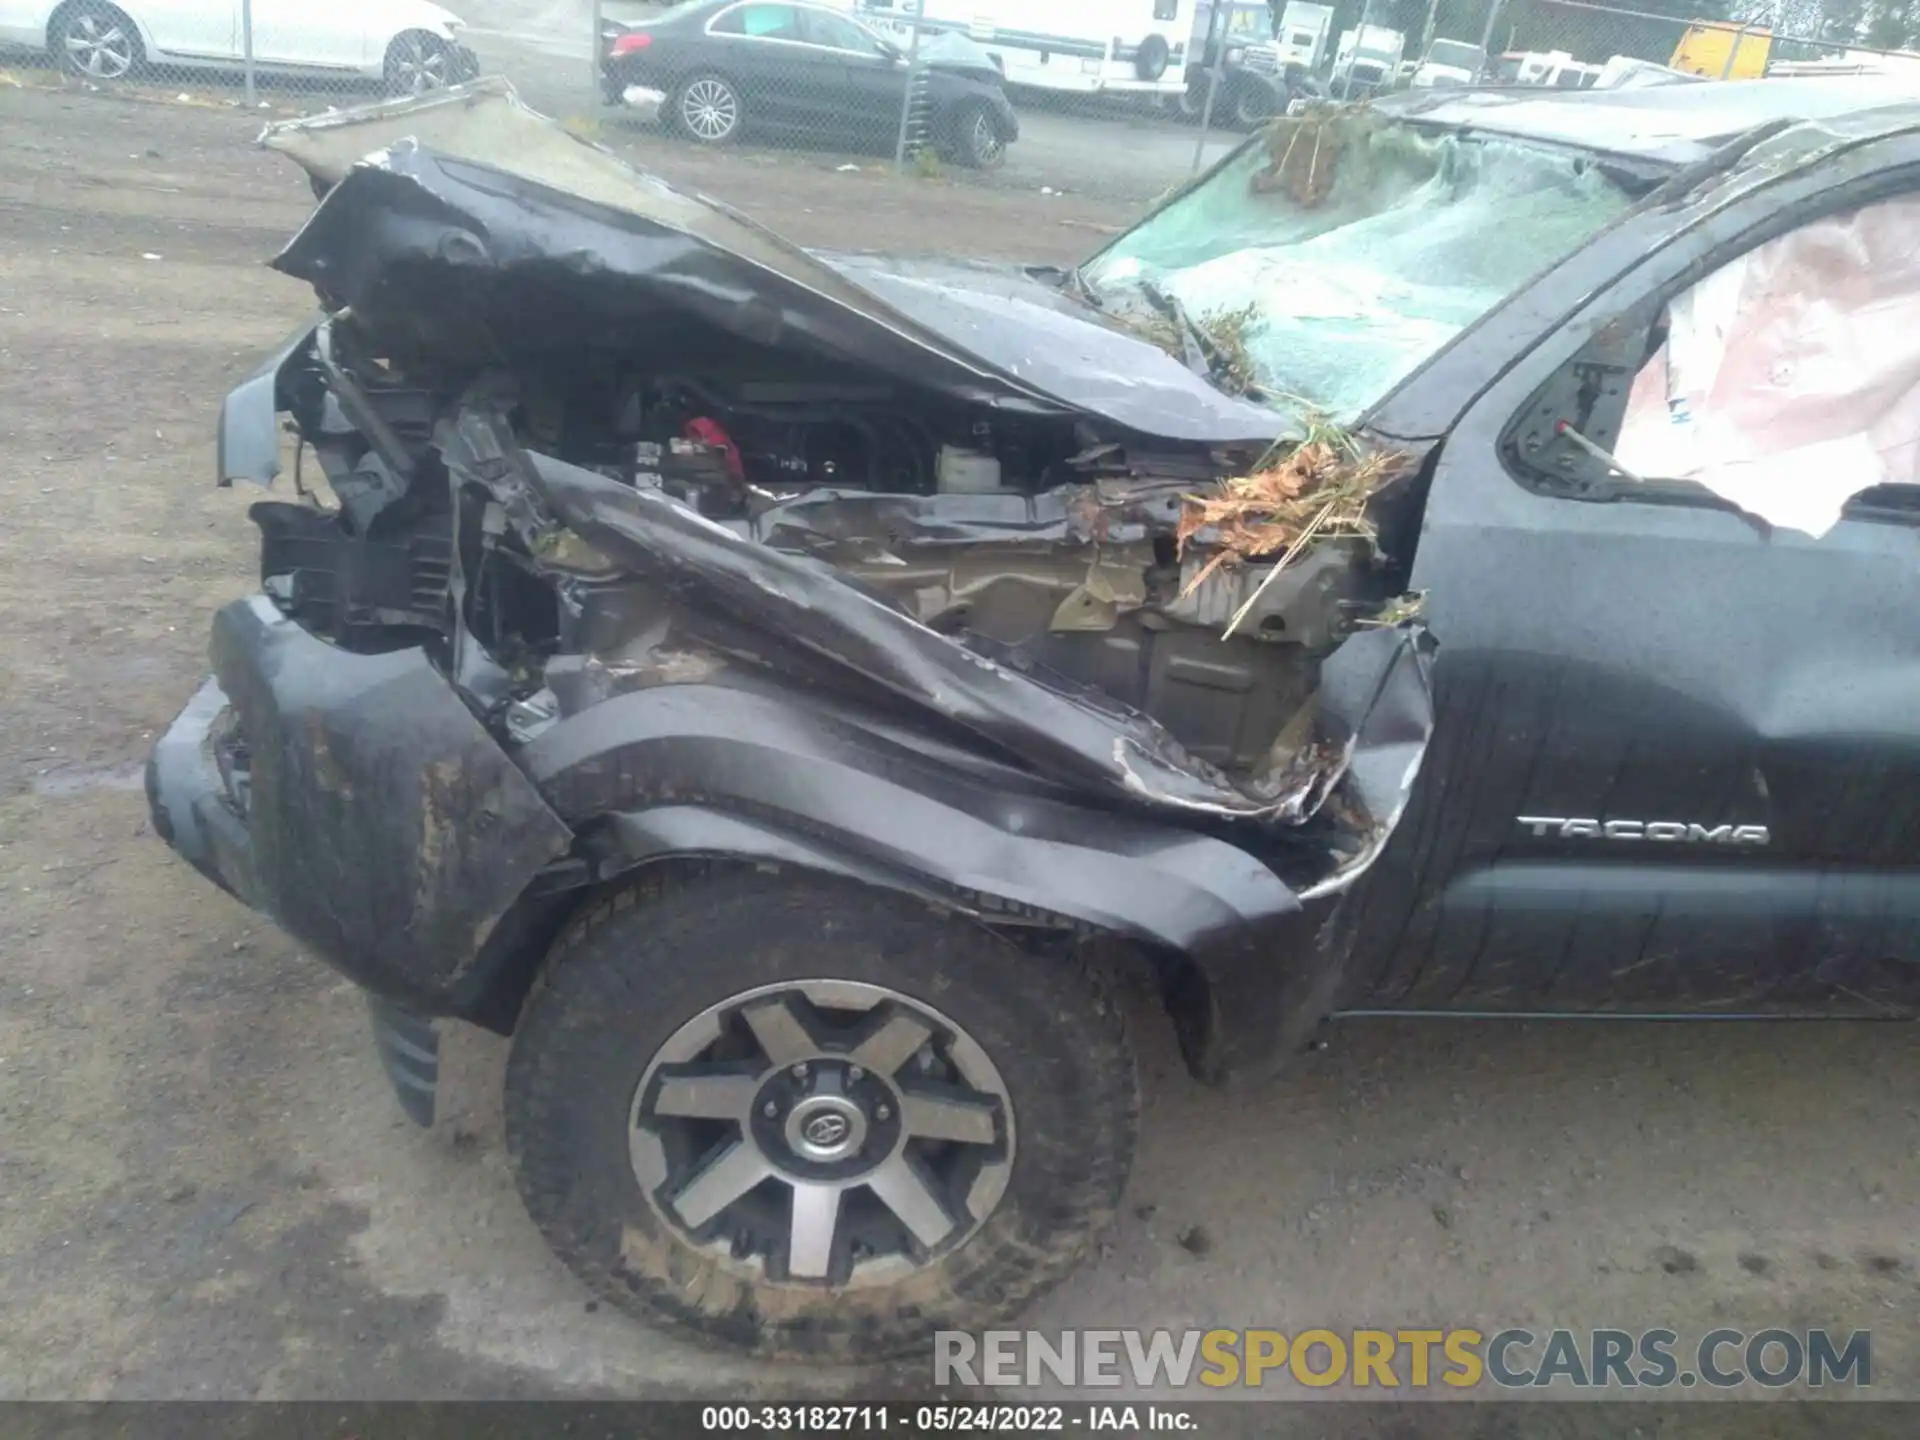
x,y
100,48
822,1132
986,140
420,66
710,110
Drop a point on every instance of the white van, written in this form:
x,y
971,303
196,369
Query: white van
x,y
1087,47
1551,69
1450,62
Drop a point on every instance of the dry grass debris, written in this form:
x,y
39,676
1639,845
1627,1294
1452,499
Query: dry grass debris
x,y
1320,488
1303,151
1220,336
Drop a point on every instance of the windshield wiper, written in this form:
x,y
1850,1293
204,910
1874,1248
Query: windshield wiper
x,y
1203,354
1075,284
1192,343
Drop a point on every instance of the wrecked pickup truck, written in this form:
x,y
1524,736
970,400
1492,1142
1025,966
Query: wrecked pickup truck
x,y
1447,559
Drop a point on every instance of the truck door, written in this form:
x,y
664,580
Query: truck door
x,y
1676,760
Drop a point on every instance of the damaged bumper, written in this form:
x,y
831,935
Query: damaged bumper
x,y
355,800
201,804
195,808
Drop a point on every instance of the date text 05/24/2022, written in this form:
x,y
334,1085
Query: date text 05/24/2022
x,y
981,1419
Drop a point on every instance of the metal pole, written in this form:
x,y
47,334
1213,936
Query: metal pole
x,y
1212,54
246,45
1366,19
1486,35
594,54
906,101
1426,34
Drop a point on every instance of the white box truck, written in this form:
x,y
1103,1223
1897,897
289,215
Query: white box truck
x,y
1303,35
1367,59
1085,47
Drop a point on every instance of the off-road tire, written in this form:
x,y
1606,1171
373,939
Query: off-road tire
x,y
631,970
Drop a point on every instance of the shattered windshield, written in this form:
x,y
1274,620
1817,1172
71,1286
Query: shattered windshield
x,y
1322,266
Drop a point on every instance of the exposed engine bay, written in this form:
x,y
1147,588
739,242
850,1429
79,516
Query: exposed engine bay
x,y
574,454
975,529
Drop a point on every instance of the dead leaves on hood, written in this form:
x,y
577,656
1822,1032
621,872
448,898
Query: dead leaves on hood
x,y
1319,489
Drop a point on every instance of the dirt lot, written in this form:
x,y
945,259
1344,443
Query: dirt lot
x,y
211,1193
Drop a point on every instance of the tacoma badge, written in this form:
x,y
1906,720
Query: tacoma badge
x,y
1664,831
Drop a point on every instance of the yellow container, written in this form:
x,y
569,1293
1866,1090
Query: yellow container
x,y
1723,52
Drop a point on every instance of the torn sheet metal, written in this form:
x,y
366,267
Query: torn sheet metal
x,y
1390,690
248,443
1790,378
1074,735
470,207
1047,338
469,122
386,828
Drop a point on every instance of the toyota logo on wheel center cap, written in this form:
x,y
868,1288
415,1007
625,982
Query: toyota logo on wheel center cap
x,y
827,1130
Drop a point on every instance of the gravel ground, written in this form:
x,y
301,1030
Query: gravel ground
x,y
212,1195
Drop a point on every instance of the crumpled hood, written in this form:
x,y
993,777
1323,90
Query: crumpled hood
x,y
961,54
1022,324
469,192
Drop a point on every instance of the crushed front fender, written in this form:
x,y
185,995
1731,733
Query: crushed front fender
x,y
385,828
779,777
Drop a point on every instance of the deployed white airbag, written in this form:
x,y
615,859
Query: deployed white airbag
x,y
1790,378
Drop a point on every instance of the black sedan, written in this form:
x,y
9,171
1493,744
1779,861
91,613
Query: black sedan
x,y
715,69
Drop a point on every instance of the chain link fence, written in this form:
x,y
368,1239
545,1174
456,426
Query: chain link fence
x,y
1118,98
1570,42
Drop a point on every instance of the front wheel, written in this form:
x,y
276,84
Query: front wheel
x,y
707,109
417,63
94,41
1253,105
976,138
807,1118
